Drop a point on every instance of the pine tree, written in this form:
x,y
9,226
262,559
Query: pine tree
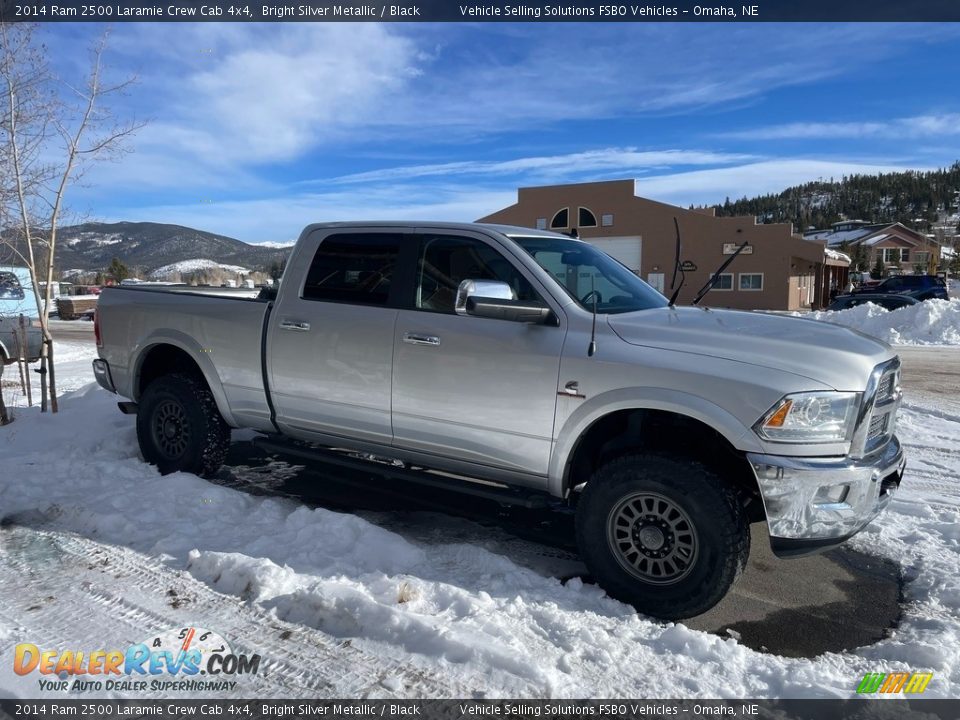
x,y
859,259
954,267
879,270
117,271
883,198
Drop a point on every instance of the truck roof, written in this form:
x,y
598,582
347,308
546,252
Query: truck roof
x,y
508,230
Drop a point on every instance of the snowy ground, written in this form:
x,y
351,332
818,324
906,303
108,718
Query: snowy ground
x,y
73,359
98,551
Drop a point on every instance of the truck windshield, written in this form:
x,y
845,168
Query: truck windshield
x,y
582,270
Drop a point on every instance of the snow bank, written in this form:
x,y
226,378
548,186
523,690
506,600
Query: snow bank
x,y
933,322
455,607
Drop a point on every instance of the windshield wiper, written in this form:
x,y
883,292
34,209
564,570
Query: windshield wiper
x,y
716,276
683,267
676,266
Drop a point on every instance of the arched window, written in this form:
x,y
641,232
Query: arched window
x,y
586,218
561,219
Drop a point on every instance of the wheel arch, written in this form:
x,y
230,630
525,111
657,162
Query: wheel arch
x,y
661,425
164,356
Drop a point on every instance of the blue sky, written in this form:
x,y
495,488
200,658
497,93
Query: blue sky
x,y
256,130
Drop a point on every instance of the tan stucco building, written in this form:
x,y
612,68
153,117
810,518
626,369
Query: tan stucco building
x,y
777,271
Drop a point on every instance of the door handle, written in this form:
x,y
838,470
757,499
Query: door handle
x,y
294,325
418,339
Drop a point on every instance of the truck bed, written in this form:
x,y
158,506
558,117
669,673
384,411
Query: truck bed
x,y
223,334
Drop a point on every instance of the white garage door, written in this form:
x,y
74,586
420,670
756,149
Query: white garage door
x,y
624,249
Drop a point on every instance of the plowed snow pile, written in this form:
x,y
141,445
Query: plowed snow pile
x,y
933,322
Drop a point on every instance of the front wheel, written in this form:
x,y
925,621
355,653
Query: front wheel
x,y
179,427
665,534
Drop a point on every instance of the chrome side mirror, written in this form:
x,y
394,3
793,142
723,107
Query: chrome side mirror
x,y
493,289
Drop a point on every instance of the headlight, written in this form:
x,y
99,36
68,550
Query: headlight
x,y
814,417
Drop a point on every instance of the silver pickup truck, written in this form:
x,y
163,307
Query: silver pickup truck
x,y
508,360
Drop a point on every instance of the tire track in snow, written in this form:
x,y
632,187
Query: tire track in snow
x,y
62,591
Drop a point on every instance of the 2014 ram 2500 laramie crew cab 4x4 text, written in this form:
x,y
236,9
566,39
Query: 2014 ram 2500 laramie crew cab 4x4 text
x,y
546,370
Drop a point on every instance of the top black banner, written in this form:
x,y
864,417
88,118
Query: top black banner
x,y
112,11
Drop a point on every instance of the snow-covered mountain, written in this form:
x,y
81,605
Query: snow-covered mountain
x,y
193,265
148,246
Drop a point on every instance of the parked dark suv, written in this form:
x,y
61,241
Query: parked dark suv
x,y
889,301
919,287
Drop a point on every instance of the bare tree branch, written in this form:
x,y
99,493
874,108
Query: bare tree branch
x,y
39,121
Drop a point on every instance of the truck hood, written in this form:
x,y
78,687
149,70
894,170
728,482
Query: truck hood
x,y
830,354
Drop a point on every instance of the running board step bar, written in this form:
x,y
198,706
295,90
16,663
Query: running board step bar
x,y
501,494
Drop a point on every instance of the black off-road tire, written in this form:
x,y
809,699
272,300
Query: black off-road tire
x,y
179,427
636,501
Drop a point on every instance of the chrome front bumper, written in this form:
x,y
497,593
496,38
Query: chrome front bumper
x,y
813,501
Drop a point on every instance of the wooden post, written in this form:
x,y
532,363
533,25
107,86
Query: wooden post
x,y
4,417
54,405
23,359
43,376
23,379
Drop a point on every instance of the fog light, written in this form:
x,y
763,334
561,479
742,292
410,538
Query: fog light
x,y
830,494
768,472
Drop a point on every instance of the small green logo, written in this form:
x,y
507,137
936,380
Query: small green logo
x,y
912,683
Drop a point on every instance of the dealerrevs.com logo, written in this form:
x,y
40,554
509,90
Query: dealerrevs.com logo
x,y
188,659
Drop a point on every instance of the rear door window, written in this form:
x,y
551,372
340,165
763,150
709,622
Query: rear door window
x,y
354,268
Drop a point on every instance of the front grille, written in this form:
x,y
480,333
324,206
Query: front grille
x,y
878,426
886,388
883,412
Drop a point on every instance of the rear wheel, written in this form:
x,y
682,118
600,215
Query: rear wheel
x,y
665,534
179,427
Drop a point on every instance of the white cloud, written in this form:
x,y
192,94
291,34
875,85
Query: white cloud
x,y
509,77
226,100
274,101
624,160
266,96
281,218
771,176
234,107
912,127
231,95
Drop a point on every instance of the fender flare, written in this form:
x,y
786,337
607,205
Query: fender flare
x,y
642,398
194,351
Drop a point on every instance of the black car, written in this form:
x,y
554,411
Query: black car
x,y
919,287
890,301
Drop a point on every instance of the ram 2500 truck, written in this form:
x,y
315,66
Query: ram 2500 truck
x,y
527,365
